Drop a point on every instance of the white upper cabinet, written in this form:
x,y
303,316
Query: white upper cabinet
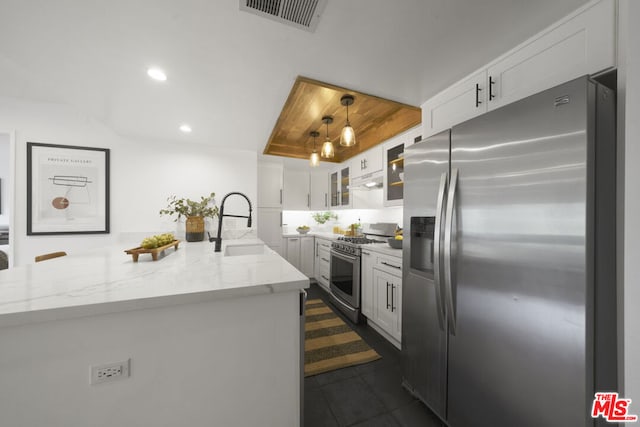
x,y
296,190
584,44
581,43
462,101
319,190
339,196
366,163
269,185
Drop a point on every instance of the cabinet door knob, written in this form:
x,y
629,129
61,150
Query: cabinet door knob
x,y
478,102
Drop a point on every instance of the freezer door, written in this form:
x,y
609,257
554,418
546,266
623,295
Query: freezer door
x,y
519,285
424,338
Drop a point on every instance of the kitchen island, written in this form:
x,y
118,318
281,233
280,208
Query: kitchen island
x,y
210,339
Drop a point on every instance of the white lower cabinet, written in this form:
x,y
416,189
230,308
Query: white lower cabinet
x,y
307,259
292,250
381,284
299,253
366,279
389,294
322,264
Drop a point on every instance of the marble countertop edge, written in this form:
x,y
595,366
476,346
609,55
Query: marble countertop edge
x,y
103,308
106,280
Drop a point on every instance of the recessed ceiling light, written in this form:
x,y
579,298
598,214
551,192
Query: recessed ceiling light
x,y
185,128
157,74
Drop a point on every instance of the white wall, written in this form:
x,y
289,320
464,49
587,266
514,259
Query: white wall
x,y
4,178
629,107
143,174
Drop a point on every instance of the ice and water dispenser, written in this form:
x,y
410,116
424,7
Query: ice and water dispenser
x,y
422,232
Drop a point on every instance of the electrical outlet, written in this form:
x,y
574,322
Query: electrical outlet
x,y
110,372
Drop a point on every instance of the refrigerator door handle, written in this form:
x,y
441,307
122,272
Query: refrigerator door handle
x,y
437,232
451,199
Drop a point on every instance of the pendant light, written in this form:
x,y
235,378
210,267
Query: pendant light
x,y
327,148
348,136
314,160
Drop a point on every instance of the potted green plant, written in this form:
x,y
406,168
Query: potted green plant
x,y
194,211
322,217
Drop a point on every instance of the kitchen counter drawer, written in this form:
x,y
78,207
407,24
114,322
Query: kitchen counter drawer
x,y
390,264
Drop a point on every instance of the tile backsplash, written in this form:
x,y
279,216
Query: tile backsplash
x,y
293,219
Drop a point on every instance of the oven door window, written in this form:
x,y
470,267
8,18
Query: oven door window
x,y
342,272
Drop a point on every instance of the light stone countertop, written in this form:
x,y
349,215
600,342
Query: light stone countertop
x,y
107,280
383,248
321,234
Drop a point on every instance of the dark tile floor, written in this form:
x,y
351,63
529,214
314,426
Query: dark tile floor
x,y
368,395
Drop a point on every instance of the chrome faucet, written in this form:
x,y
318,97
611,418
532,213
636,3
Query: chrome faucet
x,y
218,239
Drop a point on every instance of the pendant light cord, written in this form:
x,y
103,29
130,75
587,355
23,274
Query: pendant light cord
x,y
348,114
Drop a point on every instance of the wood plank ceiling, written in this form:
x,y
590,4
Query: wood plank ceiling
x,y
373,119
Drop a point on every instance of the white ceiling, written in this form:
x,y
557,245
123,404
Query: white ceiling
x,y
229,72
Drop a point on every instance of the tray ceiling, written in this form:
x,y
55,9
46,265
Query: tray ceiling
x,y
374,120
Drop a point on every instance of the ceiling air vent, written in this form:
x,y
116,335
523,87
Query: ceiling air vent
x,y
303,14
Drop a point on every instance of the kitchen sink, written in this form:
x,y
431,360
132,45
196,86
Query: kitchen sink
x,y
244,249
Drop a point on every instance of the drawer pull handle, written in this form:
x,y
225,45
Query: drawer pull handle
x,y
391,265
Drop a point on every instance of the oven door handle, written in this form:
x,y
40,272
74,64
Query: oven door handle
x,y
343,256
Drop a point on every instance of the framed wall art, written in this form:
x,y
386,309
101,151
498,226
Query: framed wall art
x,y
67,189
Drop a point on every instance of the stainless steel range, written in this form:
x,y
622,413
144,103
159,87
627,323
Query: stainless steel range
x,y
345,274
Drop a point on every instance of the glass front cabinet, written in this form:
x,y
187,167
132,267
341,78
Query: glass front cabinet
x,y
339,185
333,185
394,188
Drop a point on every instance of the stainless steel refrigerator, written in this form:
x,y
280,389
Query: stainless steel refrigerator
x,y
509,262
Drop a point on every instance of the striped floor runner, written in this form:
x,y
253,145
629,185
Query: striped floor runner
x,y
329,343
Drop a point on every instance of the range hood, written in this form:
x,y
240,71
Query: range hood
x,y
369,181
